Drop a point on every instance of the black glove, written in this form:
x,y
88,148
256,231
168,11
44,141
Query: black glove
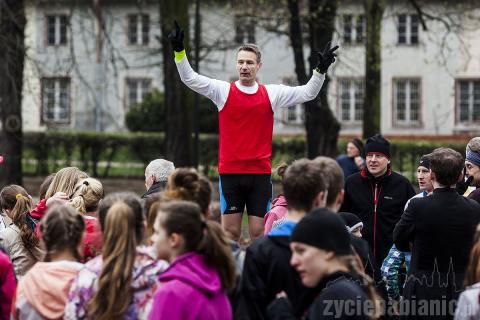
x,y
462,186
176,38
326,58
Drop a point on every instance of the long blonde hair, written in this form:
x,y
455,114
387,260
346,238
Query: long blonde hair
x,y
87,194
65,180
114,293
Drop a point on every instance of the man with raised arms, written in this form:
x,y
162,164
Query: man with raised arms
x,y
246,111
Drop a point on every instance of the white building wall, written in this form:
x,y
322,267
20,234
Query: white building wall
x,y
104,84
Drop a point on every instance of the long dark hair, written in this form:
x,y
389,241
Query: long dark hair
x,y
204,237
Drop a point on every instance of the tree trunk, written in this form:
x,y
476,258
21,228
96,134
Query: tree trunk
x,y
178,102
321,126
373,62
12,53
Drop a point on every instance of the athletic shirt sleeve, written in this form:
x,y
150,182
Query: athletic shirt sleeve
x,y
282,96
215,90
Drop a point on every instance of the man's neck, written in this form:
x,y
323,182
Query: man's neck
x,y
378,175
247,83
295,215
437,185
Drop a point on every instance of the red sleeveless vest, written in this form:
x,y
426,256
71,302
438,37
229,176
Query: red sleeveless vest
x,y
245,132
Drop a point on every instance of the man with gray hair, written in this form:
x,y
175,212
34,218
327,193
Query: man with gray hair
x,y
156,176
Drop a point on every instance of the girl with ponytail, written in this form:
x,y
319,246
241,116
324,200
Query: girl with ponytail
x,y
120,283
85,199
322,255
42,292
202,267
18,239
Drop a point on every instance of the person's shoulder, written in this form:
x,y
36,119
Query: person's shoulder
x,y
343,288
342,158
398,177
357,176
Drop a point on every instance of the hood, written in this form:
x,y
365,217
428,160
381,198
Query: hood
x,y
192,269
46,286
279,201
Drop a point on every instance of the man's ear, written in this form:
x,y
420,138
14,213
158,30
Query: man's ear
x,y
320,200
260,65
432,176
340,197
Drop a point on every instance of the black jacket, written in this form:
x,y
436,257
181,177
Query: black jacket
x,y
393,191
341,297
155,188
441,228
267,272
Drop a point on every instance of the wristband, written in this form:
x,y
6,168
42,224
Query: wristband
x,y
180,55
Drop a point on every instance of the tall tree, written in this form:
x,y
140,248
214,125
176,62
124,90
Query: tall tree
x,y
178,106
373,67
321,125
12,53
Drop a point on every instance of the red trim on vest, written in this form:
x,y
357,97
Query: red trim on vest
x,y
245,132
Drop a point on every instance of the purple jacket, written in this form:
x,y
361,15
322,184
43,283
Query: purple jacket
x,y
190,290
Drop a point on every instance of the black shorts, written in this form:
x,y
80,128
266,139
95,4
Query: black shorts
x,y
252,190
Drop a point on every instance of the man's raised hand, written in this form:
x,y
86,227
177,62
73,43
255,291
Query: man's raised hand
x,y
326,58
176,38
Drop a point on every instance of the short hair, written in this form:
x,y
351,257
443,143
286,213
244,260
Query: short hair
x,y
474,145
447,164
302,182
161,169
252,48
333,174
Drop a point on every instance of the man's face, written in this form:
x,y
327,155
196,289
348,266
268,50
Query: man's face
x,y
424,179
247,67
352,151
376,163
473,171
310,262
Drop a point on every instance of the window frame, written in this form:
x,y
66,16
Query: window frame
x,y
354,27
457,102
53,122
349,123
127,105
57,26
408,29
407,123
140,36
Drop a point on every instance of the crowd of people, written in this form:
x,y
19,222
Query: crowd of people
x,y
346,238
362,248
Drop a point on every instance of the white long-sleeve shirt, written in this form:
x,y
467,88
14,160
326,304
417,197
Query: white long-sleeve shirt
x,y
280,96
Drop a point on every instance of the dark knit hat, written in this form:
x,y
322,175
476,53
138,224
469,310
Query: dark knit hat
x,y
351,221
358,144
424,162
325,230
377,144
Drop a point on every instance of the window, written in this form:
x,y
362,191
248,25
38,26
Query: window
x,y
138,29
406,101
244,30
353,28
468,100
351,99
55,100
407,29
136,91
56,30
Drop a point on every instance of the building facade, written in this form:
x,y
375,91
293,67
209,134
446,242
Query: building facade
x,y
83,76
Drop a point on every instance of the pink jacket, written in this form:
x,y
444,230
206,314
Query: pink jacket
x,y
277,211
8,286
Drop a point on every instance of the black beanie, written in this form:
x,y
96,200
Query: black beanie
x,y
351,220
424,162
325,230
358,144
378,144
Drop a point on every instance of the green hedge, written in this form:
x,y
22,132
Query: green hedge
x,y
114,154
